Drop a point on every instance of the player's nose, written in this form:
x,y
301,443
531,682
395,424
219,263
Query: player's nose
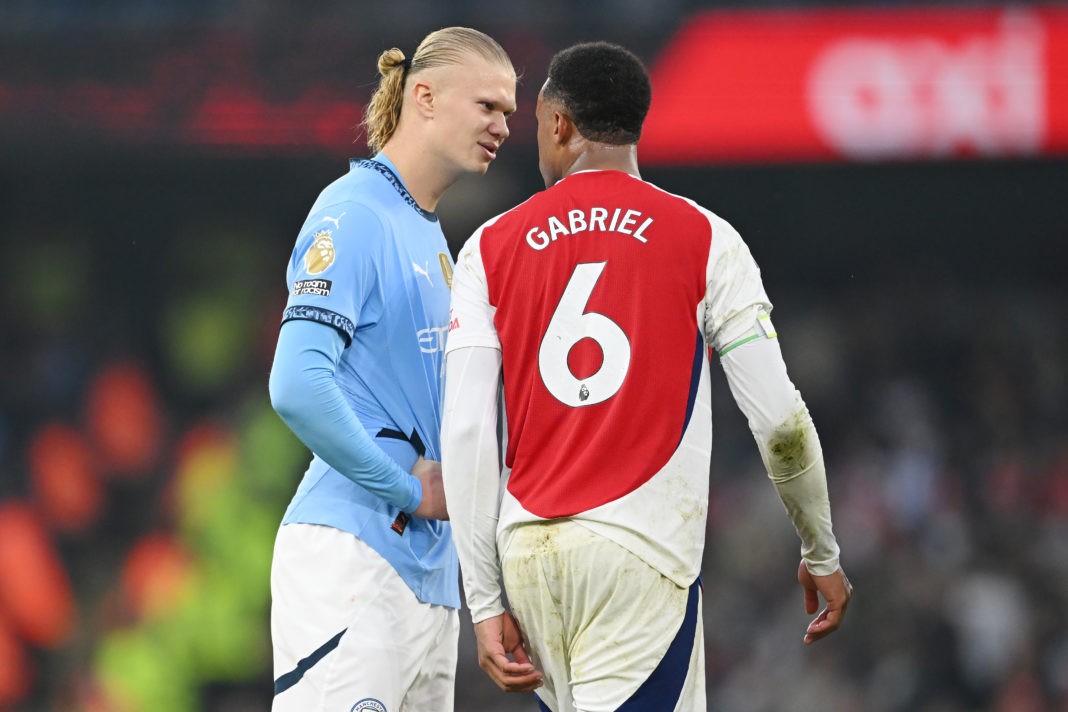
x,y
499,129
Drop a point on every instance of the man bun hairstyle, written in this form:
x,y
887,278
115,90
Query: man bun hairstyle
x,y
604,88
449,45
383,111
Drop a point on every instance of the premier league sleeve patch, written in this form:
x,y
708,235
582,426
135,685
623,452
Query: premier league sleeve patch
x,y
333,272
321,254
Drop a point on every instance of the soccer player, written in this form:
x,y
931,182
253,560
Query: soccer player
x,y
364,579
600,296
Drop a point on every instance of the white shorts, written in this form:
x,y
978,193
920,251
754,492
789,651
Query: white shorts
x,y
348,633
608,631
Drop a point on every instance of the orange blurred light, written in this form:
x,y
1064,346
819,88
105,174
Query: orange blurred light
x,y
204,436
16,671
125,419
35,591
156,574
64,482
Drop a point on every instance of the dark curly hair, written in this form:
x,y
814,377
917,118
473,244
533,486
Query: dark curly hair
x,y
604,88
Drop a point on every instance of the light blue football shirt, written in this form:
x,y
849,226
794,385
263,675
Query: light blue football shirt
x,y
374,265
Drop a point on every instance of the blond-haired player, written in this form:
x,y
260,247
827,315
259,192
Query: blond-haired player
x,y
364,576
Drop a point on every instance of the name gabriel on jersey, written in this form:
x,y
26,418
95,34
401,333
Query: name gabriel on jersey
x,y
596,220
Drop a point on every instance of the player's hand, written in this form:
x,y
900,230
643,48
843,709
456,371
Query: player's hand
x,y
433,504
836,591
502,657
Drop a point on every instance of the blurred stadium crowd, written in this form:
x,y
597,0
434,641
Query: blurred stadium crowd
x,y
143,473
949,479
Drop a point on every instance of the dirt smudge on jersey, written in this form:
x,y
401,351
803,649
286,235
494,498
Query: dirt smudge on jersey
x,y
788,446
545,544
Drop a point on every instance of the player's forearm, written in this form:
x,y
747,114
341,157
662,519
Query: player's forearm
x,y
808,506
788,444
471,473
306,396
793,459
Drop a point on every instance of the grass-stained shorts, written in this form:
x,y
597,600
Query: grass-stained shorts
x,y
610,633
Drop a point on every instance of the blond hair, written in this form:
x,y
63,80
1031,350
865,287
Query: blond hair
x,y
447,46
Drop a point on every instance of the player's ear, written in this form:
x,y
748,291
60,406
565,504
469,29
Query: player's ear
x,y
563,128
422,95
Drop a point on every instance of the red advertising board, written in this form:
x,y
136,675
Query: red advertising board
x,y
861,84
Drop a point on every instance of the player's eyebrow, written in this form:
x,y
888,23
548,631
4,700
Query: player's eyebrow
x,y
496,104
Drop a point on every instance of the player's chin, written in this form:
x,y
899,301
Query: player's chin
x,y
485,157
482,164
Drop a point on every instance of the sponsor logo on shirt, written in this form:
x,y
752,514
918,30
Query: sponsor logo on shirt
x,y
319,287
321,254
432,339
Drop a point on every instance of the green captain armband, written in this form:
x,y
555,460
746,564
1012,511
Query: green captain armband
x,y
765,327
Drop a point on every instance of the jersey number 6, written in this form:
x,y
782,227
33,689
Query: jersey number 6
x,y
569,325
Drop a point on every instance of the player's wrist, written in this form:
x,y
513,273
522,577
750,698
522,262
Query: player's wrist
x,y
818,567
415,494
485,612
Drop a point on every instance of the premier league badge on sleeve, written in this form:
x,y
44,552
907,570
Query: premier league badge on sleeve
x,y
321,254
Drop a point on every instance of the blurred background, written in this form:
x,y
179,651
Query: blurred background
x,y
900,172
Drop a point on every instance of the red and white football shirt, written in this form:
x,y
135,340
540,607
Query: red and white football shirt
x,y
601,293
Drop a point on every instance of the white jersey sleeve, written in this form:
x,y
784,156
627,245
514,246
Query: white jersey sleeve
x,y
736,296
736,322
470,313
788,444
470,457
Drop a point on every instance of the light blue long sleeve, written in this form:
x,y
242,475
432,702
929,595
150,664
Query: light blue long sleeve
x,y
306,396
